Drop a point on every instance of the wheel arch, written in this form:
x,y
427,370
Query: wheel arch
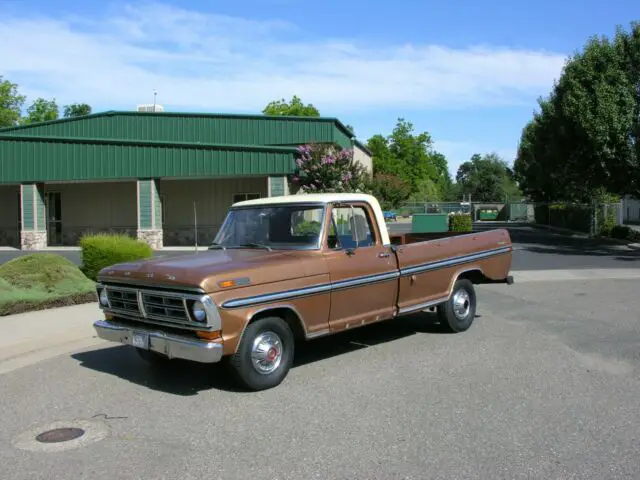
x,y
474,274
287,312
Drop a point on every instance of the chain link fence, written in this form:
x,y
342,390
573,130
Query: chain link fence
x,y
589,218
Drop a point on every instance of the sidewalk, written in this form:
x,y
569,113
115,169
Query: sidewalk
x,y
30,337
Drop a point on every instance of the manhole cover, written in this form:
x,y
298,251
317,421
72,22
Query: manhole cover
x,y
60,435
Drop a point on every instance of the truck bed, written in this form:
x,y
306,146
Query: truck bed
x,y
406,238
430,263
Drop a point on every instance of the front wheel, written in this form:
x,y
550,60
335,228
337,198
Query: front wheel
x,y
265,354
458,312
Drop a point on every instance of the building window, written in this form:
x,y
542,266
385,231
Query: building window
x,y
241,197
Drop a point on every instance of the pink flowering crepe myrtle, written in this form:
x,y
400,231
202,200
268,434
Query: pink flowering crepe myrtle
x,y
320,168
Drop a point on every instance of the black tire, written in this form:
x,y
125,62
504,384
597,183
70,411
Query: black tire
x,y
459,319
153,358
271,329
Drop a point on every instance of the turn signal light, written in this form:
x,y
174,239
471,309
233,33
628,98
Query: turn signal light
x,y
209,335
227,284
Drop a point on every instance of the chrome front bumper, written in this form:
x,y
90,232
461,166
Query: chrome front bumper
x,y
172,346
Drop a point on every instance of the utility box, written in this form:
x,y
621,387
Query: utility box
x,y
429,222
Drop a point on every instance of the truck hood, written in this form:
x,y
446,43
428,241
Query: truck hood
x,y
205,269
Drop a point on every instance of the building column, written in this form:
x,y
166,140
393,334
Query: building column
x,y
277,186
33,219
150,213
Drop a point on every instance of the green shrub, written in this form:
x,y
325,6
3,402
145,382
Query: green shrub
x,y
460,222
623,232
103,250
42,280
308,227
570,217
608,228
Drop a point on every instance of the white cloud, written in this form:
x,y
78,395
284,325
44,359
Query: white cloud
x,y
211,62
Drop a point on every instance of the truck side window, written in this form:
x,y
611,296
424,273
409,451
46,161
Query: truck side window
x,y
332,238
347,221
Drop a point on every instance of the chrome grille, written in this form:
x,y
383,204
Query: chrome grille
x,y
157,305
124,300
168,308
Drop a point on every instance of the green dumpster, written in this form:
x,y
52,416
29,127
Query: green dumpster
x,y
429,222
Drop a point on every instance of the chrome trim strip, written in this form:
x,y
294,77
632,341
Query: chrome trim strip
x,y
142,323
162,287
143,310
306,291
318,334
361,281
367,280
272,297
279,306
453,261
422,306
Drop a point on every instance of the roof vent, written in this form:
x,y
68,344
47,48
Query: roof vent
x,y
150,108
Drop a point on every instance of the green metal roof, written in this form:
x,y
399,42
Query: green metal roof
x,y
194,127
116,144
58,159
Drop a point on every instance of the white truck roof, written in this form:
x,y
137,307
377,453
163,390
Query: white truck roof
x,y
326,198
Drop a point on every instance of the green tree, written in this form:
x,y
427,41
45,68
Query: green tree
x,y
411,157
42,110
486,178
390,190
10,103
294,108
586,137
76,110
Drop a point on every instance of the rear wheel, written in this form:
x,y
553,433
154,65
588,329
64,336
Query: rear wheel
x,y
265,354
458,312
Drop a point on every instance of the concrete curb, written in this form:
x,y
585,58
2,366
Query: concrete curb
x,y
526,276
574,233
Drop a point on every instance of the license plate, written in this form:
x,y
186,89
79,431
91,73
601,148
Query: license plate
x,y
140,340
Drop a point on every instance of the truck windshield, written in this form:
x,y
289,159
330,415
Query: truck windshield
x,y
273,227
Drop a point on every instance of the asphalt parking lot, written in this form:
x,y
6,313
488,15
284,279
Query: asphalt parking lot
x,y
544,385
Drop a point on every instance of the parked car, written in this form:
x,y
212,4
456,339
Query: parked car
x,y
288,269
390,215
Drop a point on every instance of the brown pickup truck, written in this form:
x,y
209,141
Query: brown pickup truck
x,y
285,269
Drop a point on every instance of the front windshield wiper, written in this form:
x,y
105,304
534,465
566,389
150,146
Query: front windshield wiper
x,y
256,245
215,246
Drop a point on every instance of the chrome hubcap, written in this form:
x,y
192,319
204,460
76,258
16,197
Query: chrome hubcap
x,y
266,352
461,304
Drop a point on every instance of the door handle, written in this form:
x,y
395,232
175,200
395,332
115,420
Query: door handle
x,y
383,255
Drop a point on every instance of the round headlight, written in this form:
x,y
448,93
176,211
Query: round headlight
x,y
198,312
104,300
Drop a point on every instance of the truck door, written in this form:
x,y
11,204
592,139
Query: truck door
x,y
362,270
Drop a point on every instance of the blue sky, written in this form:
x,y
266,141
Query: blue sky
x,y
467,72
